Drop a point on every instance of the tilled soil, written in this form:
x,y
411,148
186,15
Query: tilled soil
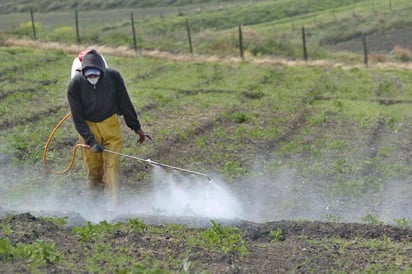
x,y
304,246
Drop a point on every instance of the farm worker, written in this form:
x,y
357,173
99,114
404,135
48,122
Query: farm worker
x,y
96,97
77,63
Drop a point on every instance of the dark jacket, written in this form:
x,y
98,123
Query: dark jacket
x,y
98,102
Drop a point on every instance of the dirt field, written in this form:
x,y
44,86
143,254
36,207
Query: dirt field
x,y
305,247
302,246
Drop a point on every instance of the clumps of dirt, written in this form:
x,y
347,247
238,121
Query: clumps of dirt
x,y
302,246
31,228
322,230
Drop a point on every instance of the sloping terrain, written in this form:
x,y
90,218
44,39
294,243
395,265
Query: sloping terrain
x,y
311,163
380,42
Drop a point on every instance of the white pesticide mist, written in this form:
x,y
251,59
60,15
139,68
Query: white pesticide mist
x,y
172,194
286,197
179,194
32,190
176,194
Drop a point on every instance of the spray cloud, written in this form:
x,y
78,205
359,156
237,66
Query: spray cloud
x,y
173,194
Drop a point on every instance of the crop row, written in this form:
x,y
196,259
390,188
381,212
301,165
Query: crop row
x,y
324,124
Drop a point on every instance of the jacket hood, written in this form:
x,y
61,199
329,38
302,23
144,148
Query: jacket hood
x,y
93,59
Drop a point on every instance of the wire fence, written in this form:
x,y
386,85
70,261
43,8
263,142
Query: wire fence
x,y
306,32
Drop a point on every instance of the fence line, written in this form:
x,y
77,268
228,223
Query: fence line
x,y
33,24
189,36
240,33
305,51
242,55
134,32
365,49
76,18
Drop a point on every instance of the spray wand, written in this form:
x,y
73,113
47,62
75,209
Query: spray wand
x,y
153,163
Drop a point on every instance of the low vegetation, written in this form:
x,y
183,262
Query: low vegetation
x,y
341,132
317,152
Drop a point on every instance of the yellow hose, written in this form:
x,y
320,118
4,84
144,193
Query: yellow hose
x,y
48,143
106,150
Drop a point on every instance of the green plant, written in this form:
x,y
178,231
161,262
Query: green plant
x,y
371,219
6,229
276,235
232,168
86,233
136,225
224,239
40,252
6,249
403,222
94,232
332,218
239,117
342,166
59,221
383,244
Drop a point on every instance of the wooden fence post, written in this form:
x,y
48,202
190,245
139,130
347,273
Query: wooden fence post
x,y
365,49
189,37
33,26
134,32
76,18
241,42
305,52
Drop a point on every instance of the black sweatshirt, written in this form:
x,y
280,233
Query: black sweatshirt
x,y
98,102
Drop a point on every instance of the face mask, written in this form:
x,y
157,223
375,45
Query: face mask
x,y
93,80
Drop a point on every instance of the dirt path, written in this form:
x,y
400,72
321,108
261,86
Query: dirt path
x,y
124,51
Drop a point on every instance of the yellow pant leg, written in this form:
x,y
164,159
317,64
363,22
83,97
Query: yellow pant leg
x,y
93,163
103,168
112,141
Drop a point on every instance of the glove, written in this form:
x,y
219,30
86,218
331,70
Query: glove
x,y
97,147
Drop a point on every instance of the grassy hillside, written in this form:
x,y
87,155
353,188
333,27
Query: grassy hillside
x,y
268,28
51,6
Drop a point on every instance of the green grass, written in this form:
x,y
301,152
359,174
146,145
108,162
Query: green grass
x,y
269,27
342,131
38,253
242,101
216,238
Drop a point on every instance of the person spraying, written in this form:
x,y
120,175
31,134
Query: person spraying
x,y
97,96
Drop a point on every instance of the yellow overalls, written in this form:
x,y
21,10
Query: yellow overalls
x,y
103,169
